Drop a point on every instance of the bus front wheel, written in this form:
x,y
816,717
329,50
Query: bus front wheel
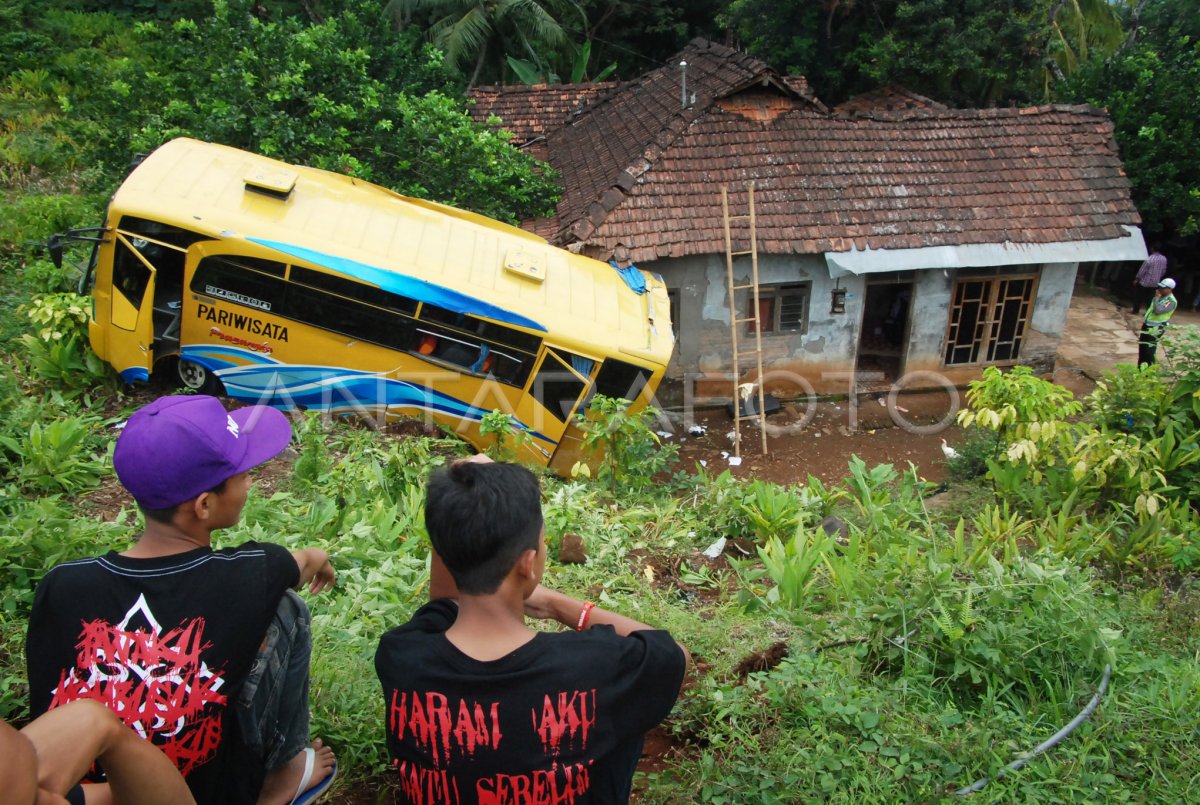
x,y
199,379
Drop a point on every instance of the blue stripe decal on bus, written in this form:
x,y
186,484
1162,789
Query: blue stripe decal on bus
x,y
260,379
403,284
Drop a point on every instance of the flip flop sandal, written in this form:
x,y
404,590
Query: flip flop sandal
x,y
307,797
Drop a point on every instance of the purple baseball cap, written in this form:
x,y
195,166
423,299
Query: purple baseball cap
x,y
179,446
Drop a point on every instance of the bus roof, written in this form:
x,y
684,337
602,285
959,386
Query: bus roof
x,y
354,227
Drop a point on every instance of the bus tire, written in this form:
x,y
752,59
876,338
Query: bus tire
x,y
199,379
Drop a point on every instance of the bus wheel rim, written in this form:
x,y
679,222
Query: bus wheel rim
x,y
193,375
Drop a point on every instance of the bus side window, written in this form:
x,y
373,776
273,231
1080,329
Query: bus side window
x,y
353,289
483,348
448,346
621,380
350,318
219,277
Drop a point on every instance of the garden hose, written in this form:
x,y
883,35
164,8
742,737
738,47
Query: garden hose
x,y
1049,742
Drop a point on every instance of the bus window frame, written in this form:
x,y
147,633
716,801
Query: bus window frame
x,y
556,353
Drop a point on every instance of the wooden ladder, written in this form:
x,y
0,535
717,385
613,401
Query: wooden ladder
x,y
741,400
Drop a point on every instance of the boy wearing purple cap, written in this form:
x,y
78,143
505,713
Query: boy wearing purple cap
x,y
204,652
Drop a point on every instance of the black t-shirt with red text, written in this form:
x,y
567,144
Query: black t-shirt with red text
x,y
560,721
165,644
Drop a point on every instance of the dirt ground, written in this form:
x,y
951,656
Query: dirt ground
x,y
818,439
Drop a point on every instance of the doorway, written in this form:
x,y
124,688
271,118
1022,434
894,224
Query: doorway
x,y
885,326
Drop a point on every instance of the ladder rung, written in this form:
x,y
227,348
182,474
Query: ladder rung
x,y
743,321
741,254
742,287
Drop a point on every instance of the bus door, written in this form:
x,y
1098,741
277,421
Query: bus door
x,y
561,385
144,305
614,378
130,340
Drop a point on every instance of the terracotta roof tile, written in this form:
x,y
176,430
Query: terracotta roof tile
x,y
890,98
640,169
530,111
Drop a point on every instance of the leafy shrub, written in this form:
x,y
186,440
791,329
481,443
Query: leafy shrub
x,y
53,457
1129,399
31,218
631,452
979,446
507,440
57,316
345,94
313,464
772,511
57,354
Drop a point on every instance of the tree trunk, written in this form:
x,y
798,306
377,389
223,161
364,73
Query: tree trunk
x,y
478,67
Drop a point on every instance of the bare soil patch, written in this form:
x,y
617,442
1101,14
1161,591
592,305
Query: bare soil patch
x,y
818,439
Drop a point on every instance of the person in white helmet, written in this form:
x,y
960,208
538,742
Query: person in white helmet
x,y
1161,308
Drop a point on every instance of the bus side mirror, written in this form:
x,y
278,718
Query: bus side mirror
x,y
55,246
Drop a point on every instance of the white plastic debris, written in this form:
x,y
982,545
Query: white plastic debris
x,y
716,549
735,461
665,434
697,430
703,463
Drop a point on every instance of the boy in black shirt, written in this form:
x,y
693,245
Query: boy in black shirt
x,y
480,708
203,652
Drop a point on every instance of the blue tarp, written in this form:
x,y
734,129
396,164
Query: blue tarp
x,y
633,278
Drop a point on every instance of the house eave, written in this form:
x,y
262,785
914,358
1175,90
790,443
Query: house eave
x,y
1132,246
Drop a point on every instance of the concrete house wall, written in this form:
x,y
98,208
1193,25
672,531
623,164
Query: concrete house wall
x,y
825,355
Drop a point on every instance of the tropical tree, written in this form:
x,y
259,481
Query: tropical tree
x,y
1081,29
962,52
1149,89
480,35
345,94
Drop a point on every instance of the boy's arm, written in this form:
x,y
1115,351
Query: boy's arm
x,y
547,604
315,569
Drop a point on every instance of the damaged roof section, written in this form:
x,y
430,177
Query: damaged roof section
x,y
642,166
529,112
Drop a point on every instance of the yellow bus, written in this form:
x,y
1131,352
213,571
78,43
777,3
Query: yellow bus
x,y
301,288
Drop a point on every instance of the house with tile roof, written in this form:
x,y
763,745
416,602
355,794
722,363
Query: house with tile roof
x,y
898,240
